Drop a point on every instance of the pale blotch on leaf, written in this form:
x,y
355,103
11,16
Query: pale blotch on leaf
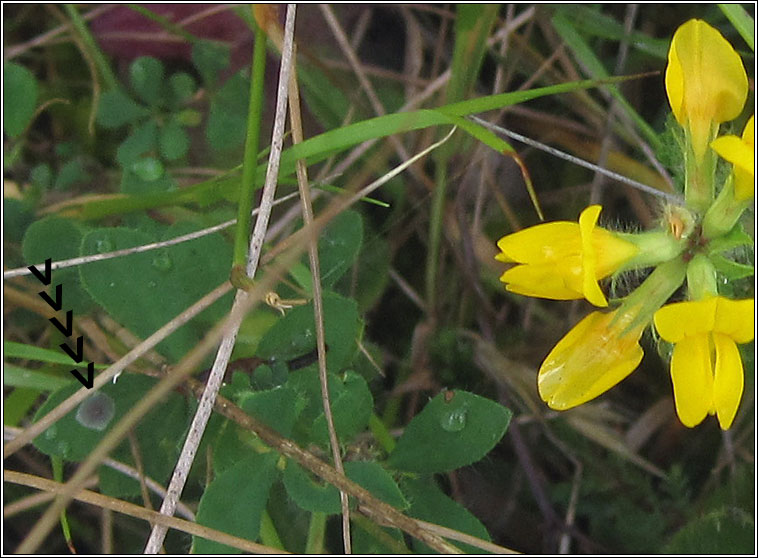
x,y
96,411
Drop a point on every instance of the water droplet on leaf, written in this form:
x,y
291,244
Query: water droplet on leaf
x,y
454,420
162,262
103,245
96,411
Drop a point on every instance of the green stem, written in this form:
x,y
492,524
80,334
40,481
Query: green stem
x,y
57,463
107,75
435,231
316,531
249,163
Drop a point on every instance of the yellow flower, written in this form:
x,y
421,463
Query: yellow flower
x,y
563,260
706,369
599,352
741,153
705,81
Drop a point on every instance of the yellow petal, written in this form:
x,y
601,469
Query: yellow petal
x,y
741,153
692,379
589,360
551,280
728,380
734,150
675,321
542,243
590,288
735,318
705,81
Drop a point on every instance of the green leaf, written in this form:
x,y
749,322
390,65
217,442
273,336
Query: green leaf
x,y
450,433
17,217
143,140
117,109
735,238
373,267
189,118
144,291
227,120
232,445
338,246
72,172
70,439
19,98
375,478
182,87
59,239
351,404
146,77
429,503
724,531
295,334
42,176
234,502
315,496
209,59
159,438
277,408
147,169
173,141
310,495
730,269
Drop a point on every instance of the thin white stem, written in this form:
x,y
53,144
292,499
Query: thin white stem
x,y
205,406
581,162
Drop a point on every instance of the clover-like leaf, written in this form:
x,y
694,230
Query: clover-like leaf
x,y
234,502
19,98
146,76
453,430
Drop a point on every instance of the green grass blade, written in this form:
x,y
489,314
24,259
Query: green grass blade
x,y
742,22
322,146
592,63
11,349
15,376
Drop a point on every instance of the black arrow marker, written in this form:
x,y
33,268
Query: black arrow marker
x,y
69,323
47,277
78,355
58,302
90,380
